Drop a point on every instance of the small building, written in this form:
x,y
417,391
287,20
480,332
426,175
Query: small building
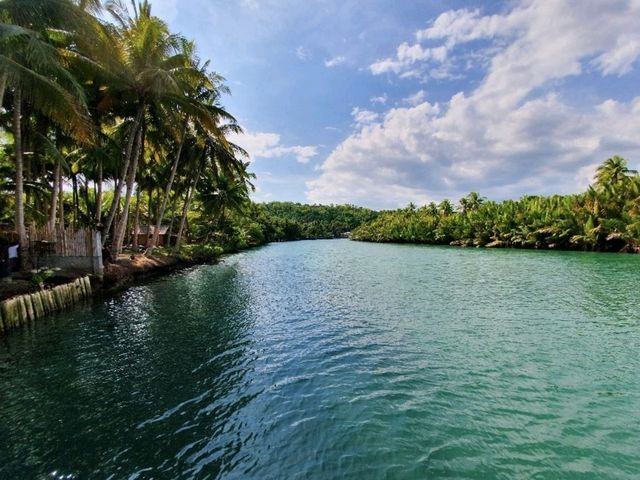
x,y
146,231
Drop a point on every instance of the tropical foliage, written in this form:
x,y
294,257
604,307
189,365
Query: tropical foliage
x,y
110,120
259,223
321,221
605,217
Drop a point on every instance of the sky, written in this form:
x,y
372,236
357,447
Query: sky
x,y
381,103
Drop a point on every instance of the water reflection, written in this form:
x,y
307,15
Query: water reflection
x,y
337,360
131,385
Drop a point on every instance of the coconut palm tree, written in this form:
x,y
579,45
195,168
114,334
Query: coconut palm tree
x,y
204,91
153,77
613,172
225,192
33,65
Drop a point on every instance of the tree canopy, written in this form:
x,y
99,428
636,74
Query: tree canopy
x,y
605,217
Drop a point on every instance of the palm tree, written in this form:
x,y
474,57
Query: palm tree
x,y
225,192
33,66
471,202
613,172
445,207
153,73
203,91
147,55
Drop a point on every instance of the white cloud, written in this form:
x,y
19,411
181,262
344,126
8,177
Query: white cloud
x,y
406,56
303,53
381,99
363,116
335,61
610,32
267,145
415,99
620,59
514,133
457,26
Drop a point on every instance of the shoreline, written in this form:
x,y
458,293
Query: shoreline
x,y
127,272
626,250
131,270
22,303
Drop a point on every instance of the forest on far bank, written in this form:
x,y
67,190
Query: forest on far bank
x,y
604,218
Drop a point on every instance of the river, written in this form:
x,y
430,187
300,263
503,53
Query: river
x,y
335,359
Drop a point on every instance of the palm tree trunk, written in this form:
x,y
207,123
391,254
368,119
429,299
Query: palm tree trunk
x,y
187,201
171,222
125,168
121,226
61,200
17,142
167,192
74,198
98,213
85,196
220,219
183,217
3,85
136,223
149,210
54,197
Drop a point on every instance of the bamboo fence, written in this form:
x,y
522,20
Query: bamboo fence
x,y
24,309
65,242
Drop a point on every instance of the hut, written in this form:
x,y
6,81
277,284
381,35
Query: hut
x,y
146,231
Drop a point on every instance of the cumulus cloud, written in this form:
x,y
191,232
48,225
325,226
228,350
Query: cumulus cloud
x,y
514,133
381,99
335,61
362,116
458,26
415,99
406,56
267,145
609,32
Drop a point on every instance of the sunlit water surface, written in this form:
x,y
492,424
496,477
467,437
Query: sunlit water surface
x,y
337,359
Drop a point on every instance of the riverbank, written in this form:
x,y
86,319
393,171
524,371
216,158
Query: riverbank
x,y
23,301
497,244
126,271
131,268
23,309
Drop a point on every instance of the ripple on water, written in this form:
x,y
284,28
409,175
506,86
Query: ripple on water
x,y
336,359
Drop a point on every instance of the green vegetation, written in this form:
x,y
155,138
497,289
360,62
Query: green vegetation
x,y
40,275
321,221
111,121
112,124
117,125
259,223
606,218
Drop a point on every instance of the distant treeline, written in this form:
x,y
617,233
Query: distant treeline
x,y
605,218
282,221
320,221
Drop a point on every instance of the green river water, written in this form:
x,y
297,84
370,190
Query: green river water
x,y
337,359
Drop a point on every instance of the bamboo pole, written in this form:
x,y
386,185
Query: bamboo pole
x,y
24,309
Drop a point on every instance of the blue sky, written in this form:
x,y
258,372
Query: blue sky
x,y
379,103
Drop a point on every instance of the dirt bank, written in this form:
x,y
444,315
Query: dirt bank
x,y
132,268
